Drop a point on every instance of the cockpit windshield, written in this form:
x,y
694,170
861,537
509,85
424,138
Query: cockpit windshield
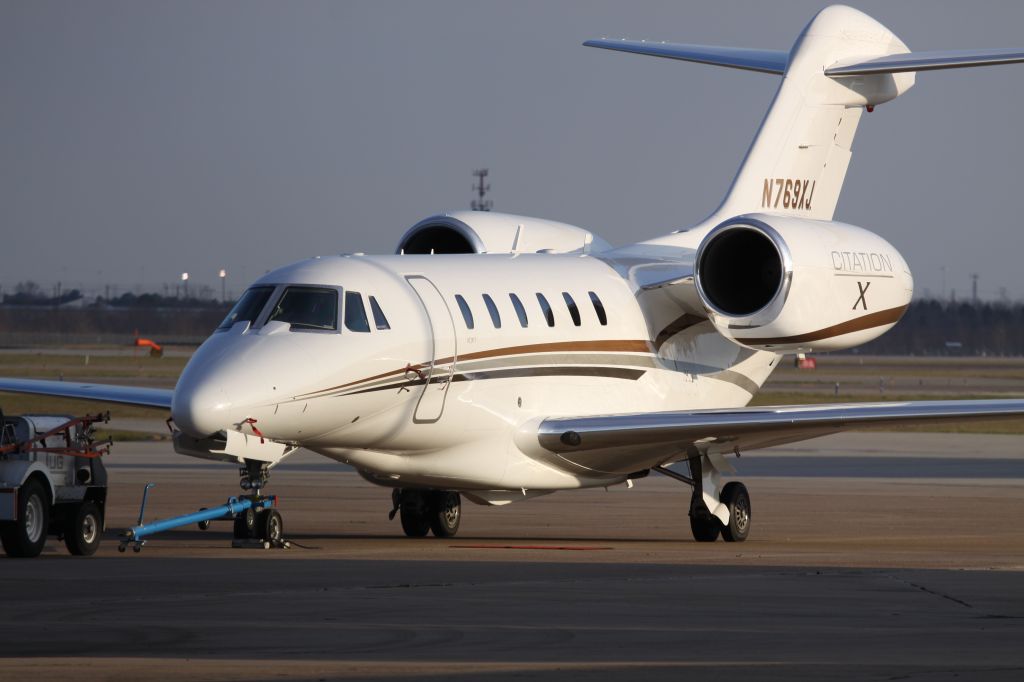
x,y
248,307
307,308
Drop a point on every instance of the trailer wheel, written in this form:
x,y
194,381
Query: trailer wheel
x,y
203,525
82,535
27,536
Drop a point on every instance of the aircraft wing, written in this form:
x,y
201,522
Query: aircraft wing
x,y
625,443
159,398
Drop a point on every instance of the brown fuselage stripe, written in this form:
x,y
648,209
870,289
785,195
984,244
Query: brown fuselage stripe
x,y
518,373
613,345
890,316
616,345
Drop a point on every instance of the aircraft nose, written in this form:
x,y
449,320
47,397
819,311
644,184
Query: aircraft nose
x,y
200,410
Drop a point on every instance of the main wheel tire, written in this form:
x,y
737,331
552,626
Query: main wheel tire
x,y
735,496
414,513
445,514
271,525
84,531
705,528
26,537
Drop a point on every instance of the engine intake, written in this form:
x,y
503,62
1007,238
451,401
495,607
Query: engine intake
x,y
741,269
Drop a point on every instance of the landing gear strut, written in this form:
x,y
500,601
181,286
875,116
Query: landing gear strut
x,y
257,524
710,502
423,511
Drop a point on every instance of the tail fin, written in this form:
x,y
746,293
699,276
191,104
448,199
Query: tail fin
x,y
843,62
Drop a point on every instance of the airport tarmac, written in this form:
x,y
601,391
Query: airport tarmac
x,y
855,569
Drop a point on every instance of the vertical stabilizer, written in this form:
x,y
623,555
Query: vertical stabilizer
x,y
798,160
843,63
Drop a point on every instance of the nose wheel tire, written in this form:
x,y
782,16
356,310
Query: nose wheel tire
x,y
84,530
26,537
245,527
737,499
271,526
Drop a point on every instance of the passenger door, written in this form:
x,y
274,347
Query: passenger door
x,y
443,356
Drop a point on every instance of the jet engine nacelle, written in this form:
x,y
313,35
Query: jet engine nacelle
x,y
790,284
489,232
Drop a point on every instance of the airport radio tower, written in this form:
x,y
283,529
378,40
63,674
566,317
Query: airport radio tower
x,y
481,189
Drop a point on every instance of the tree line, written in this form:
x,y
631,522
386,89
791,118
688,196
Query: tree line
x,y
31,294
932,327
929,327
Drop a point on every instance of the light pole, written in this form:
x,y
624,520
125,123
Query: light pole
x,y
184,283
223,279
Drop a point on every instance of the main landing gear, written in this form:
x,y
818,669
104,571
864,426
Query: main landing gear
x,y
711,502
425,511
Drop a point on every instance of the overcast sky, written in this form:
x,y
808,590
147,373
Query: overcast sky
x,y
142,139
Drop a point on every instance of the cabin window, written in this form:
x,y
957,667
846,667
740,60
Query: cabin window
x,y
467,314
249,307
602,316
493,311
545,307
355,312
520,310
379,320
574,312
309,308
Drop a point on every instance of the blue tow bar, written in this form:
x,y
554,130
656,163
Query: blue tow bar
x,y
135,536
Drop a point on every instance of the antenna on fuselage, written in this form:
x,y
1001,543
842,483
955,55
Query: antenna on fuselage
x,y
481,189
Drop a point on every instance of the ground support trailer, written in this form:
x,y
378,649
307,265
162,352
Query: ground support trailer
x,y
52,482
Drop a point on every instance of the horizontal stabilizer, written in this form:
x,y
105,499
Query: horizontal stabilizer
x,y
765,61
926,61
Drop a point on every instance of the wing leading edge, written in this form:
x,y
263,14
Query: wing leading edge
x,y
157,398
622,443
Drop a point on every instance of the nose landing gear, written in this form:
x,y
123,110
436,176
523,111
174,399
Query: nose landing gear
x,y
424,511
254,524
254,475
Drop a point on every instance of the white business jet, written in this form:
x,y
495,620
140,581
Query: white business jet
x,y
498,357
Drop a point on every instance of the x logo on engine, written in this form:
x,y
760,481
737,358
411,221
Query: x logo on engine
x,y
861,301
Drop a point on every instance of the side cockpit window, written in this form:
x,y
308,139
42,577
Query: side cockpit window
x,y
379,320
307,308
248,308
355,312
